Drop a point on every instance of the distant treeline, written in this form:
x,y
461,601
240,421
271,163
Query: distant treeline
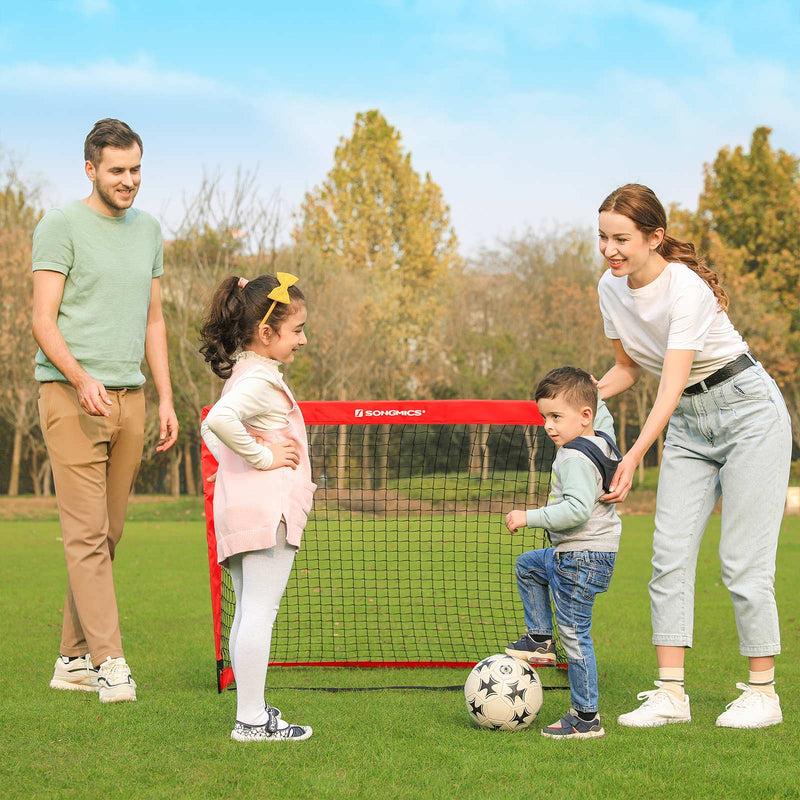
x,y
395,311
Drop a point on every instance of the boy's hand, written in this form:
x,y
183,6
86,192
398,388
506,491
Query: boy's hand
x,y
284,454
516,519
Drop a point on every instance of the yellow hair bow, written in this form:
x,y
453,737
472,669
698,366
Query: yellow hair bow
x,y
280,294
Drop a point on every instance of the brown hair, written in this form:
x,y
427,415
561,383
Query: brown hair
x,y
234,316
640,205
109,133
573,383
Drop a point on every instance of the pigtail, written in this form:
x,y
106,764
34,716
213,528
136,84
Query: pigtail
x,y
222,333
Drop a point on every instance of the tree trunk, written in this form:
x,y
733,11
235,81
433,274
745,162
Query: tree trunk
x,y
531,441
188,468
366,458
175,473
382,433
622,439
46,478
16,454
484,450
341,460
475,461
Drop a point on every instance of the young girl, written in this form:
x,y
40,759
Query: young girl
x,y
263,488
729,434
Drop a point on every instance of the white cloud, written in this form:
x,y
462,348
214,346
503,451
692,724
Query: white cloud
x,y
90,8
141,76
516,159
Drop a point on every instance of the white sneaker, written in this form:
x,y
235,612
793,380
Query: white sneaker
x,y
752,709
660,707
115,682
76,675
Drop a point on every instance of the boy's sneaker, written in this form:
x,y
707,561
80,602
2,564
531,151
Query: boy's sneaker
x,y
526,649
752,709
75,674
270,732
571,726
660,707
115,682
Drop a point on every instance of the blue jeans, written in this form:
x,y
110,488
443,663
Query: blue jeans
x,y
573,579
734,440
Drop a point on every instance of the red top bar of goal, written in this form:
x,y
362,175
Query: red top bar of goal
x,y
422,412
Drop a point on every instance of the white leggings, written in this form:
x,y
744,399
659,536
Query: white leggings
x,y
259,580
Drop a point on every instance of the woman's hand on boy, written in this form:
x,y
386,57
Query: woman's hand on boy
x,y
516,519
622,481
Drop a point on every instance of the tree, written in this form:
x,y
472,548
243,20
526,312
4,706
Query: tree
x,y
219,235
18,392
375,220
748,225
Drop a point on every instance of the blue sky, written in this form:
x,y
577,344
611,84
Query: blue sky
x,y
526,113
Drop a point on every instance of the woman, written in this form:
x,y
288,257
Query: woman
x,y
729,434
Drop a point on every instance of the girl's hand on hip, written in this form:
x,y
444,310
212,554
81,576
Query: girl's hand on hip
x,y
284,454
622,481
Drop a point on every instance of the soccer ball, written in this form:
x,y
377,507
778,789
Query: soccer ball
x,y
503,693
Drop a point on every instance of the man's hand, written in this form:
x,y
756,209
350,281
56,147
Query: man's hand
x,y
516,519
284,454
168,427
92,395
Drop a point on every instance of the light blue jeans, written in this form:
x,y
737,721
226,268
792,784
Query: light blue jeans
x,y
734,440
574,579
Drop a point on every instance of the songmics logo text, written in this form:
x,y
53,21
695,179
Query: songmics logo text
x,y
389,412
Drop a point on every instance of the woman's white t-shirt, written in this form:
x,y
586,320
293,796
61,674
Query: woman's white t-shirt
x,y
676,311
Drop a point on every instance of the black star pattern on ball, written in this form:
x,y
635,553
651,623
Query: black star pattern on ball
x,y
475,707
488,685
521,716
486,663
514,692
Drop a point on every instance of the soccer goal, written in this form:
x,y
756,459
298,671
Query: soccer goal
x,y
405,560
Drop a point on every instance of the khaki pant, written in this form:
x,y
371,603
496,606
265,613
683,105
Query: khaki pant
x,y
94,461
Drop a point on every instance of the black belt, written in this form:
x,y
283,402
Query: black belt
x,y
745,361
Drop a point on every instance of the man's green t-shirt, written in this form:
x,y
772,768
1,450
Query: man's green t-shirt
x,y
109,264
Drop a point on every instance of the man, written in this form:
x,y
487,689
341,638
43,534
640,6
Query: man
x,y
96,313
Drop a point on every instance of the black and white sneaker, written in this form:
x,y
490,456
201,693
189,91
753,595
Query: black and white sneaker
x,y
536,653
75,674
270,732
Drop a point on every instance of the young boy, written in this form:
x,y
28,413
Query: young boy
x,y
584,533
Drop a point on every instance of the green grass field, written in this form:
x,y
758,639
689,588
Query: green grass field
x,y
399,743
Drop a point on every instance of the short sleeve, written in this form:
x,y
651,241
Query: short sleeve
x,y
691,316
52,243
158,259
608,326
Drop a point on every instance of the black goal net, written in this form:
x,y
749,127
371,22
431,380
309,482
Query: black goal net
x,y
405,561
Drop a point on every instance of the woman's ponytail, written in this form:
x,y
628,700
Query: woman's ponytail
x,y
673,249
